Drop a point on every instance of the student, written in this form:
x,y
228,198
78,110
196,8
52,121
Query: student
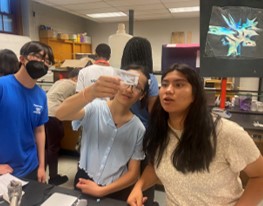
x,y
91,73
23,109
54,128
8,62
197,156
101,66
138,50
112,136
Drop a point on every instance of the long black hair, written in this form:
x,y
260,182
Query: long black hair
x,y
197,146
138,51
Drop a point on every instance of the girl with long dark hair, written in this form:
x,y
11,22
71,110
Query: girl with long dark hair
x,y
197,156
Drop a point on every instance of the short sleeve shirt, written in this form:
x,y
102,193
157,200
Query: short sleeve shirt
x,y
221,186
106,149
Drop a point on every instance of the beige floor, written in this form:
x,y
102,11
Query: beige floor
x,y
68,166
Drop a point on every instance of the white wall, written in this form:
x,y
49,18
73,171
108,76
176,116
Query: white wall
x,y
35,14
13,42
158,32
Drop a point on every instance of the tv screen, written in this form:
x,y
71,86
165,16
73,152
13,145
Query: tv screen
x,y
231,38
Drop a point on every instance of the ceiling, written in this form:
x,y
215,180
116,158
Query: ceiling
x,y
143,9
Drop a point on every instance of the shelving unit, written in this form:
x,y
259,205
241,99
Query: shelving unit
x,y
216,84
66,49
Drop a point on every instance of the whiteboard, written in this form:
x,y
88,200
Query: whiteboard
x,y
13,42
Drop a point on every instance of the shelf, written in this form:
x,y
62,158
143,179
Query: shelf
x,y
216,83
66,49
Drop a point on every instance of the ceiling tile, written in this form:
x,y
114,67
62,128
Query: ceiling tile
x,y
143,9
92,5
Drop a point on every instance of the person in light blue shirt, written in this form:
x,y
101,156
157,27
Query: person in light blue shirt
x,y
110,139
111,147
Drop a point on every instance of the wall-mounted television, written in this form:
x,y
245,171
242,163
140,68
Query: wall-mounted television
x,y
231,38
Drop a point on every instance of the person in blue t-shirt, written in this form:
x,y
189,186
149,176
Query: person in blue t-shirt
x,y
23,109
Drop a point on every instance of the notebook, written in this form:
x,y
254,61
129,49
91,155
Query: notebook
x,y
60,199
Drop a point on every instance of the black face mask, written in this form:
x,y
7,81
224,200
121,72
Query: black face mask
x,y
36,69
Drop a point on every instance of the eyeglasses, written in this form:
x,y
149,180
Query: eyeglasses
x,y
134,88
40,57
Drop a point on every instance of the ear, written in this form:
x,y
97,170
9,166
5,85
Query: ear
x,y
22,59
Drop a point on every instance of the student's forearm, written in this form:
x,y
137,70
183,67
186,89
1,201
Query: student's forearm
x,y
123,182
40,141
148,179
253,193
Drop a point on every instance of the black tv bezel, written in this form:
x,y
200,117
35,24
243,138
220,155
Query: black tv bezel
x,y
222,67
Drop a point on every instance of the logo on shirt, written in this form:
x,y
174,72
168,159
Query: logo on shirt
x,y
37,109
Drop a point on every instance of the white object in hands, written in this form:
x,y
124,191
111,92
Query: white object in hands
x,y
127,77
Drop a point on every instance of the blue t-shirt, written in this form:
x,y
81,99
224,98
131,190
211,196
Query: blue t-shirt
x,y
143,114
21,111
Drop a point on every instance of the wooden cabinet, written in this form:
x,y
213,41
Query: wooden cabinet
x,y
66,49
71,137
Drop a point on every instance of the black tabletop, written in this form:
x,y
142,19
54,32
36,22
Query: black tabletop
x,y
36,193
246,120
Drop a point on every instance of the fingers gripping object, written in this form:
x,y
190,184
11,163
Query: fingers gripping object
x,y
127,77
14,192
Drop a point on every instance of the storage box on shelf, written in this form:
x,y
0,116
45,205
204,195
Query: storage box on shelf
x,y
47,34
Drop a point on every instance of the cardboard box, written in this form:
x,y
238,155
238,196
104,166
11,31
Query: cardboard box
x,y
47,34
76,63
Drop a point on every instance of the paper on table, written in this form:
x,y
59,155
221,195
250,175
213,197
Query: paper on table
x,y
5,181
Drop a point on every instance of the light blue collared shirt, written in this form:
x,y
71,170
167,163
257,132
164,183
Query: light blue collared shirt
x,y
106,149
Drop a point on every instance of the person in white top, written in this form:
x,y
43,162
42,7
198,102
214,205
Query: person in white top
x,y
117,43
101,66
